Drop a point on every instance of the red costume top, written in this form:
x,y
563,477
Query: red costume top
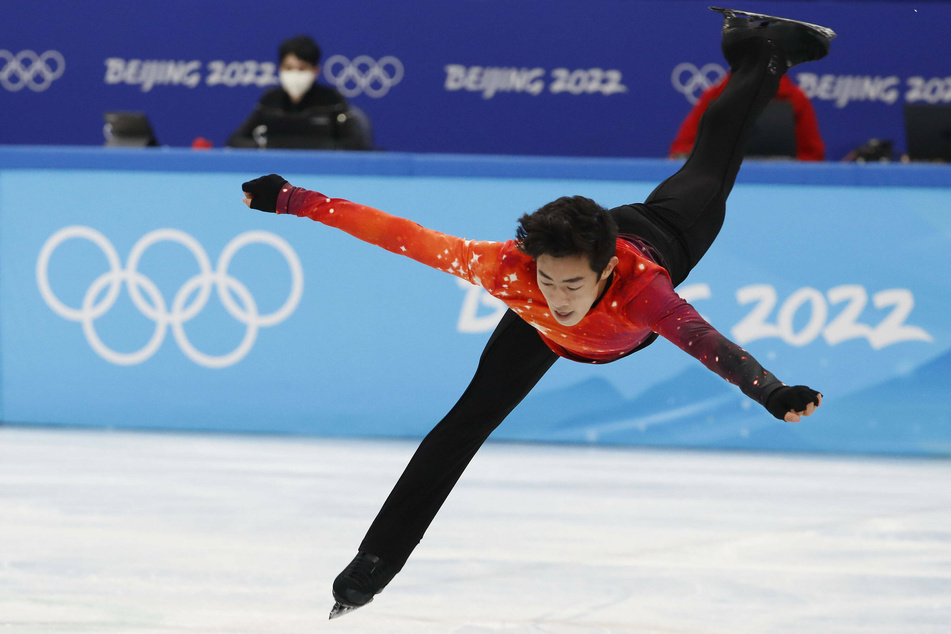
x,y
809,144
638,301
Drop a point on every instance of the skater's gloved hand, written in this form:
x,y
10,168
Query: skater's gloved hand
x,y
790,403
262,193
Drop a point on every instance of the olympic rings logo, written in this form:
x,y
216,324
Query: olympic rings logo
x,y
156,309
363,75
27,69
692,81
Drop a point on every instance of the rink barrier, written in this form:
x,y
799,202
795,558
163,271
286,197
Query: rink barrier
x,y
137,292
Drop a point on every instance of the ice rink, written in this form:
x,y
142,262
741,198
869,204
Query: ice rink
x,y
161,533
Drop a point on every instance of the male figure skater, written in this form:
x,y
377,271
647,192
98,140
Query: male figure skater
x,y
581,282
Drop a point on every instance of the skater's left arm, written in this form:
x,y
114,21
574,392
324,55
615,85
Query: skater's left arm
x,y
677,321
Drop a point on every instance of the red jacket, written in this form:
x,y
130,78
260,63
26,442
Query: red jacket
x,y
809,145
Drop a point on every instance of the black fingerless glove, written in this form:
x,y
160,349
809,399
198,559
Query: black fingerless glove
x,y
786,399
264,192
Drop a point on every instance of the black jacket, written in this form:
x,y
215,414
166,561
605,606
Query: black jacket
x,y
276,100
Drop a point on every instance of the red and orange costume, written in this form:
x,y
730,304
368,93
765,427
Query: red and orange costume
x,y
640,299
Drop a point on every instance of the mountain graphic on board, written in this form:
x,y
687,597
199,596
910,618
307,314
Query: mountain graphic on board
x,y
910,413
695,408
906,414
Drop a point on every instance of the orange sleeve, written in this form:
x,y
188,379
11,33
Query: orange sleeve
x,y
472,260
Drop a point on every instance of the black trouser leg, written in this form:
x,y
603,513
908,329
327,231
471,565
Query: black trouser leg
x,y
514,360
689,206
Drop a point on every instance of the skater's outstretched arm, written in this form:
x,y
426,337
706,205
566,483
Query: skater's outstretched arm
x,y
472,260
656,307
671,317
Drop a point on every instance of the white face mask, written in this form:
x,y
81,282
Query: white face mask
x,y
296,82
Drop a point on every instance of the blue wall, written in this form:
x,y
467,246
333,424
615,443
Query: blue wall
x,y
136,291
598,78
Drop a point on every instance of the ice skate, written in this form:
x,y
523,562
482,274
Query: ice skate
x,y
340,609
360,581
800,41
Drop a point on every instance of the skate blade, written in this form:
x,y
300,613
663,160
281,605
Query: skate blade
x,y
733,13
339,609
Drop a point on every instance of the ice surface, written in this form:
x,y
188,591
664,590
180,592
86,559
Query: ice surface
x,y
161,533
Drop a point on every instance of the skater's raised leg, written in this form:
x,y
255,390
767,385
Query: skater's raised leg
x,y
691,203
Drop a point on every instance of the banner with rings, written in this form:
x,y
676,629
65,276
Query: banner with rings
x,y
27,69
538,77
149,296
152,304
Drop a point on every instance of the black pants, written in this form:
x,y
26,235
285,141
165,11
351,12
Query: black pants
x,y
680,220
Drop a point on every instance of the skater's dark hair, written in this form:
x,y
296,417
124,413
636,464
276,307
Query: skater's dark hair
x,y
303,47
571,225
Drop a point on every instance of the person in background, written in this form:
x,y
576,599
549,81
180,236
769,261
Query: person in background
x,y
298,92
809,144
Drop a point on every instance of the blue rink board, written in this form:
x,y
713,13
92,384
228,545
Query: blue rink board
x,y
832,276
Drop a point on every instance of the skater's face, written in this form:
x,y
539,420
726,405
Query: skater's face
x,y
570,286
